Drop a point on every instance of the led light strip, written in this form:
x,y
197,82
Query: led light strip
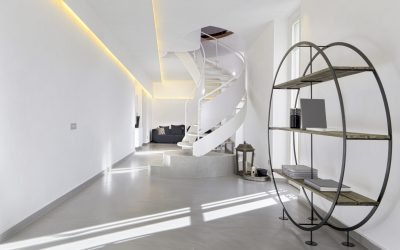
x,y
156,26
100,43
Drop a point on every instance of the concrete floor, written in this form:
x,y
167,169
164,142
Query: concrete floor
x,y
129,209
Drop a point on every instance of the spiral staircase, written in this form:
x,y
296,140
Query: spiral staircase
x,y
218,108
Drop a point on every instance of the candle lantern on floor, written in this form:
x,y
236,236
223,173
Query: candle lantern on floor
x,y
244,149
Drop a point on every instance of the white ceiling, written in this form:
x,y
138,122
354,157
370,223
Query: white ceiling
x,y
181,18
127,28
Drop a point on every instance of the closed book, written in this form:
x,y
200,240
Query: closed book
x,y
299,171
297,168
327,185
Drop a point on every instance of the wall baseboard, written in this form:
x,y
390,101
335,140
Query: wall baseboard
x,y
123,158
361,239
45,210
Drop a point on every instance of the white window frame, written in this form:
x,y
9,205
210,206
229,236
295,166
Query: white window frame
x,y
295,72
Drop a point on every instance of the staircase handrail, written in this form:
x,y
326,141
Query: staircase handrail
x,y
242,59
237,53
201,78
203,52
226,46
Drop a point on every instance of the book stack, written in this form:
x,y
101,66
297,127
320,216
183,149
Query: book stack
x,y
299,172
326,185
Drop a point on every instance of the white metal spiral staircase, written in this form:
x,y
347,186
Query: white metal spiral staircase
x,y
218,108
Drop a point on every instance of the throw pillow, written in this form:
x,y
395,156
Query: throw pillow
x,y
160,131
177,129
167,130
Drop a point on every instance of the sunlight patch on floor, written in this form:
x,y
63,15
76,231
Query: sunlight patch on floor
x,y
152,152
280,191
233,200
95,229
125,234
238,209
287,197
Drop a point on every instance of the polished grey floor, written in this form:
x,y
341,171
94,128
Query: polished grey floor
x,y
129,209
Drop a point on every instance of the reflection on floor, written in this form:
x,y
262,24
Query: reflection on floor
x,y
129,209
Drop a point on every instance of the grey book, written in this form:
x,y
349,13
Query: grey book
x,y
299,171
327,185
297,168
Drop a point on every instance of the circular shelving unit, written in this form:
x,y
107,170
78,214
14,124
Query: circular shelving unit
x,y
308,80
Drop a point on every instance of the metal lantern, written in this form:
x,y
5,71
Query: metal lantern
x,y
244,149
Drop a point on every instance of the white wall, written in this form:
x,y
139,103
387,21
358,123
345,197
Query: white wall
x,y
263,57
118,25
146,118
52,74
184,89
371,26
280,101
260,75
167,112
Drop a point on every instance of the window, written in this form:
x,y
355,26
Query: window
x,y
295,72
295,69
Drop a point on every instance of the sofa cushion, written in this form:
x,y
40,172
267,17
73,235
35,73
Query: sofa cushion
x,y
177,129
167,138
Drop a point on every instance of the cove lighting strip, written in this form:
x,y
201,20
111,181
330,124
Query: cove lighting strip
x,y
156,26
100,43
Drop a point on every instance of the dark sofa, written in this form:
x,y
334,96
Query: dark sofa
x,y
173,134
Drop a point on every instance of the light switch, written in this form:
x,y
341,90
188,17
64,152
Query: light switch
x,y
73,126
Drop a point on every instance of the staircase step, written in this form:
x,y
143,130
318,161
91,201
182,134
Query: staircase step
x,y
213,94
185,145
218,79
213,83
212,87
217,75
215,66
191,134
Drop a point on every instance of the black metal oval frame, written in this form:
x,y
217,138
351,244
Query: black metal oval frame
x,y
320,52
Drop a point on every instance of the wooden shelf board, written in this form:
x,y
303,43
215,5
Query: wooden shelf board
x,y
349,135
345,198
320,76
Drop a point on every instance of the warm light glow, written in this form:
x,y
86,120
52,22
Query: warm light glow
x,y
174,98
156,26
238,209
100,44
